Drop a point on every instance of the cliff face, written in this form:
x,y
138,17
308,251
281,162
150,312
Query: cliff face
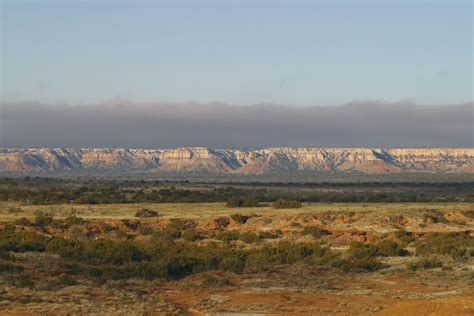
x,y
227,161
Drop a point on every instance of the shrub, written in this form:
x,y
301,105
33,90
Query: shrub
x,y
287,253
14,210
233,261
386,248
248,237
66,280
359,264
389,248
5,255
144,213
434,216
314,231
42,219
469,214
65,248
22,241
74,220
359,250
284,203
227,235
167,234
450,244
192,235
270,234
76,232
109,252
181,266
7,267
22,221
404,236
145,230
242,202
24,280
180,224
239,218
234,202
423,264
223,221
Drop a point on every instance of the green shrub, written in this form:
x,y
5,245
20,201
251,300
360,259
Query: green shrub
x,y
144,213
234,261
386,248
359,250
110,252
74,220
227,235
7,267
181,266
434,216
9,228
175,229
248,237
167,234
106,228
404,236
469,214
287,253
359,264
24,280
223,221
192,235
314,231
14,210
65,248
284,203
182,224
389,248
239,218
145,230
449,244
242,202
42,219
5,255
22,221
66,280
270,234
22,241
425,263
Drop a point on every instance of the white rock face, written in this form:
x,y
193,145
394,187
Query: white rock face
x,y
227,161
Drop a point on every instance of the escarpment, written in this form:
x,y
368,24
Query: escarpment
x,y
236,161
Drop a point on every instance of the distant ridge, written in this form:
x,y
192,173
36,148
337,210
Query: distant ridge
x,y
236,161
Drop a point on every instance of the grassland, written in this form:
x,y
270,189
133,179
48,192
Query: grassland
x,y
207,258
210,210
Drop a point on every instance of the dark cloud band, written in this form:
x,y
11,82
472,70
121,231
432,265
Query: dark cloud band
x,y
361,124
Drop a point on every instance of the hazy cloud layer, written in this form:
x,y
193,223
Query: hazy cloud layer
x,y
120,124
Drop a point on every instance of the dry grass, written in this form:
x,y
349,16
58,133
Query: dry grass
x,y
210,210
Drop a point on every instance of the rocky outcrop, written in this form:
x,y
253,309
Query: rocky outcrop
x,y
236,161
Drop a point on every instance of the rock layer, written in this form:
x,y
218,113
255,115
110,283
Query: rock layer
x,y
228,161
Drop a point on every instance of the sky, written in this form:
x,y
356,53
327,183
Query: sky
x,y
237,52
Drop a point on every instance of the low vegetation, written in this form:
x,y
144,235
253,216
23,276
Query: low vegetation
x,y
284,203
455,245
142,250
425,263
41,191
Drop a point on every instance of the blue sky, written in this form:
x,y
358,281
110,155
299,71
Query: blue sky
x,y
238,52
